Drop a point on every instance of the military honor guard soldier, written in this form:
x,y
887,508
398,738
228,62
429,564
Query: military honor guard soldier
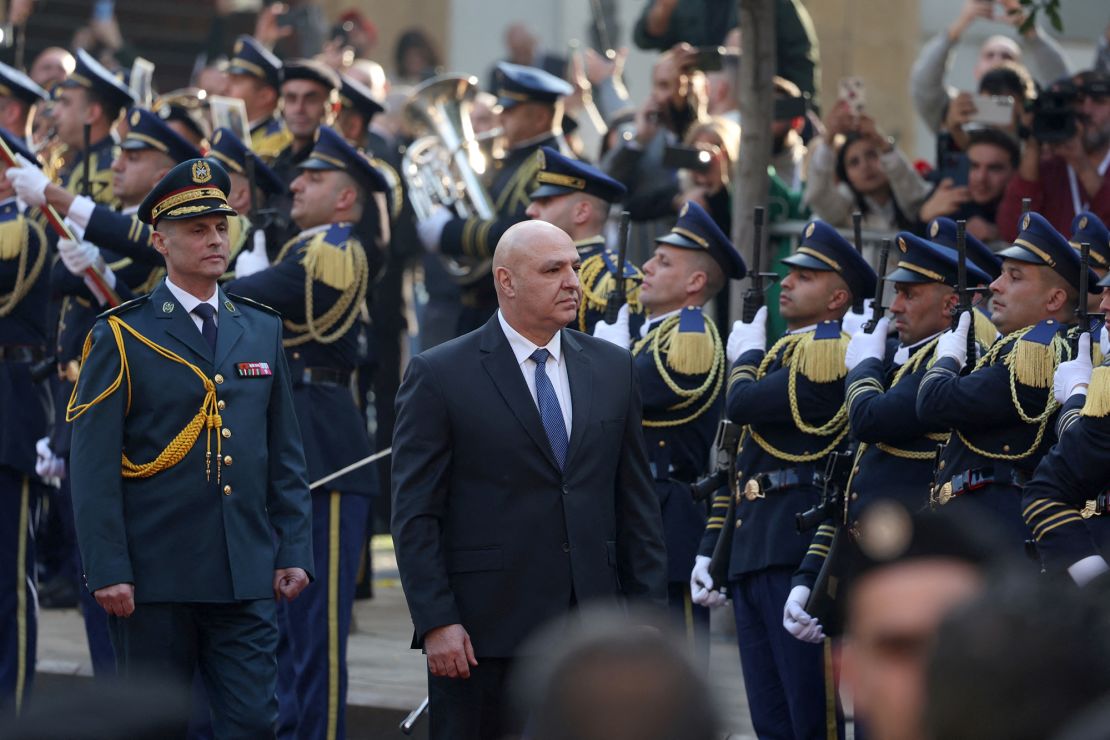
x,y
205,523
577,198
24,337
318,282
681,370
995,447
531,117
791,398
248,240
19,95
94,96
254,76
896,450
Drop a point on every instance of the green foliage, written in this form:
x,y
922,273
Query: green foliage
x,y
1051,9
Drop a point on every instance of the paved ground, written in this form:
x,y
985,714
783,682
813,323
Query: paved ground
x,y
386,678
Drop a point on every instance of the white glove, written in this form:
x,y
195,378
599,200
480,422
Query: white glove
x,y
853,322
47,465
430,230
255,259
1104,341
1086,570
864,346
29,181
617,332
953,343
796,621
747,337
79,256
701,584
1073,376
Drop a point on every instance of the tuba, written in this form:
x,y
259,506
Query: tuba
x,y
444,166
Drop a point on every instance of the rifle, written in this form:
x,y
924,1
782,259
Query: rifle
x,y
619,294
877,309
857,231
601,28
1026,205
86,174
756,295
823,595
965,294
727,444
58,225
1081,313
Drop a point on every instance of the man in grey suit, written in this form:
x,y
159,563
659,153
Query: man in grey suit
x,y
520,483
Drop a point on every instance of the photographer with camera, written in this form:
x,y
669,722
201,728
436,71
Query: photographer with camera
x,y
1065,155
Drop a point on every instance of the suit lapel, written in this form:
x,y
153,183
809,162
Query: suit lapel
x,y
580,374
501,365
179,325
230,328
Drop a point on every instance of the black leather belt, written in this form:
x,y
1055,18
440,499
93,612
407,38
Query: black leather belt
x,y
21,353
972,480
759,485
324,376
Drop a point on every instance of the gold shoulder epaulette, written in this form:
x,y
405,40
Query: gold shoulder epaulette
x,y
1037,351
985,331
269,145
1098,393
820,353
15,245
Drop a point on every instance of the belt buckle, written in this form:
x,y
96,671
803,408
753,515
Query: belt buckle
x,y
752,490
1090,509
943,494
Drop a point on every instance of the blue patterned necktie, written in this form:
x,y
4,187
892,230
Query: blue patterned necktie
x,y
208,323
551,414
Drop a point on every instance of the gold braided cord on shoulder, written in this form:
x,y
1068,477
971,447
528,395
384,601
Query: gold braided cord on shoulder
x,y
330,326
597,282
659,342
207,417
793,348
25,276
1060,350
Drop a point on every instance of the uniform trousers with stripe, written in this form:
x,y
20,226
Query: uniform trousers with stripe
x,y
312,651
790,685
691,621
19,496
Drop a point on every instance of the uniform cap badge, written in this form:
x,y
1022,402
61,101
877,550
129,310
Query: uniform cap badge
x,y
934,229
202,172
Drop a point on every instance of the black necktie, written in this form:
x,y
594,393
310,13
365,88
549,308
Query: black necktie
x,y
207,315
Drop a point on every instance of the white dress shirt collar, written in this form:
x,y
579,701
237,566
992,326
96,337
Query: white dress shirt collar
x,y
523,348
189,301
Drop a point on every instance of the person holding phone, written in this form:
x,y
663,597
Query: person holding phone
x,y
855,167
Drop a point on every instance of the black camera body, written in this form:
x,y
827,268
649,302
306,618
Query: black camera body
x,y
1054,118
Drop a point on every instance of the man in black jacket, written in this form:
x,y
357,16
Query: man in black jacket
x,y
520,482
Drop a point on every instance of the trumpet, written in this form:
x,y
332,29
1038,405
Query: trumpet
x,y
444,166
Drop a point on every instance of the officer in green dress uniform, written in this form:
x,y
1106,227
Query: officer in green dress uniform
x,y
24,293
577,198
254,76
319,283
189,482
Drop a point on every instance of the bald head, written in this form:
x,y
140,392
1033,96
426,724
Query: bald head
x,y
535,271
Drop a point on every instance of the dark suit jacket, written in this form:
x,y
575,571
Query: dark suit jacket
x,y
488,531
181,535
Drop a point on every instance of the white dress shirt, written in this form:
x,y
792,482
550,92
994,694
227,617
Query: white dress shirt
x,y
556,367
189,301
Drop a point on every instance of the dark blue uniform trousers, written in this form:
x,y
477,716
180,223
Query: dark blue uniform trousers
x,y
312,654
790,685
233,644
18,625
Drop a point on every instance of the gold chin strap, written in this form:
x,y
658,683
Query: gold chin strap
x,y
206,418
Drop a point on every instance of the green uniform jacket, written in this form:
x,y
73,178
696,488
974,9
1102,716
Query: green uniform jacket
x,y
200,529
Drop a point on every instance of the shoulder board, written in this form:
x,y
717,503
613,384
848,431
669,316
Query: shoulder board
x,y
337,235
266,143
612,259
125,306
253,304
